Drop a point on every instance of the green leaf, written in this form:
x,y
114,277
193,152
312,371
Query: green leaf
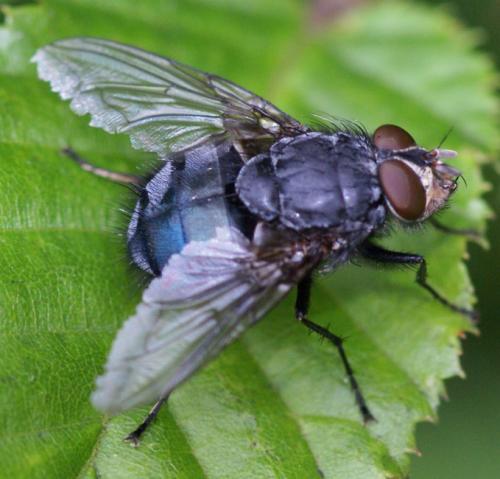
x,y
275,403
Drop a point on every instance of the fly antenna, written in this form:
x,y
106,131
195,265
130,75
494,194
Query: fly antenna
x,y
447,134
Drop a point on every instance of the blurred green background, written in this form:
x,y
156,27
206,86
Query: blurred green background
x,y
466,441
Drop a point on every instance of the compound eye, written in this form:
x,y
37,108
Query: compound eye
x,y
392,137
403,189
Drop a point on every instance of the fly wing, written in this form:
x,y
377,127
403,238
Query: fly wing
x,y
206,296
164,106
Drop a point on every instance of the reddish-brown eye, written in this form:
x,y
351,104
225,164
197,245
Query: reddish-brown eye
x,y
403,189
392,137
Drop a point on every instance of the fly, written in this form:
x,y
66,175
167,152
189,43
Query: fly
x,y
248,204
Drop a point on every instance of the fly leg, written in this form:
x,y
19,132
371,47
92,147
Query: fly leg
x,y
135,436
301,311
380,255
114,176
472,234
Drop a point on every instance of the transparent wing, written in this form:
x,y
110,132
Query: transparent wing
x,y
163,105
207,295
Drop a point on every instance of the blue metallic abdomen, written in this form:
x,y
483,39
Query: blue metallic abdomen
x,y
186,201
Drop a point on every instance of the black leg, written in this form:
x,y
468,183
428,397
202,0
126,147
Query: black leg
x,y
468,233
135,436
303,298
301,310
381,255
114,176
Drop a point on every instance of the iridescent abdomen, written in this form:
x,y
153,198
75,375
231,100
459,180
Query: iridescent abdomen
x,y
186,201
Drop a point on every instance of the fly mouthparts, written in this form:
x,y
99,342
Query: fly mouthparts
x,y
446,171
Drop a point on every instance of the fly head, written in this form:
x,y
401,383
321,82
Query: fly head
x,y
415,181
